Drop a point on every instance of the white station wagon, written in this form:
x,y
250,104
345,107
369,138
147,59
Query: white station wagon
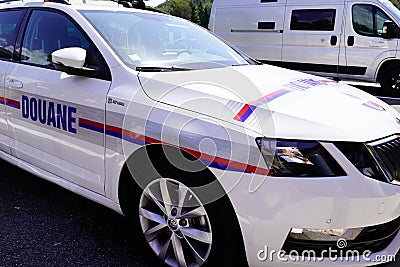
x,y
215,159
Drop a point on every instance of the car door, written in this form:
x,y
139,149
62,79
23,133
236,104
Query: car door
x,y
311,40
9,25
364,45
51,113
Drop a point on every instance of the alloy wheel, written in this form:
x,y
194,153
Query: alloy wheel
x,y
175,223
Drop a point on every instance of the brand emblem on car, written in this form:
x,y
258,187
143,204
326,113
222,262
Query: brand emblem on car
x,y
115,102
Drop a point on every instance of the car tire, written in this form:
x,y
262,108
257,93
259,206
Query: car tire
x,y
390,81
222,245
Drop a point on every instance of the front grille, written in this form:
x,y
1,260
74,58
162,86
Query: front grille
x,y
373,238
388,157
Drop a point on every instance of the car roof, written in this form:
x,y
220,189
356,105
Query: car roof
x,y
75,5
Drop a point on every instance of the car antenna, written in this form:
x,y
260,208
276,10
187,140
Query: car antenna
x,y
139,4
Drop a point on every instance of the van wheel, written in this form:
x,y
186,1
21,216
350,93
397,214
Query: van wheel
x,y
178,229
390,81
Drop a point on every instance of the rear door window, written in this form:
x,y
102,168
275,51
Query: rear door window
x,y
9,25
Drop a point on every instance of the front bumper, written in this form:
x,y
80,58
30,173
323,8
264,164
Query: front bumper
x,y
269,207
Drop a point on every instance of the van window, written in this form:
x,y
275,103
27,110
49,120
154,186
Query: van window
x,y
313,20
368,20
8,31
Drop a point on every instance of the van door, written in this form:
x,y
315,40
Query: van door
x,y
254,27
365,47
311,40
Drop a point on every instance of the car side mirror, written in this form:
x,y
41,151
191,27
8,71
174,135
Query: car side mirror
x,y
390,30
71,60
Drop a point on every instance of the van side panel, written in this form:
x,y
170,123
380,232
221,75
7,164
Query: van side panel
x,y
312,36
254,28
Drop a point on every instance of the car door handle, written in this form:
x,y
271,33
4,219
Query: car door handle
x,y
350,40
333,40
14,84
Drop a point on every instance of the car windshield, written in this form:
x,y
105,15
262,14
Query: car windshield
x,y
154,42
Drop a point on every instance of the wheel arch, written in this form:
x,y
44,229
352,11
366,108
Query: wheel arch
x,y
146,155
128,187
127,184
385,65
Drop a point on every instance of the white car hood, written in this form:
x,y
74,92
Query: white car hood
x,y
276,102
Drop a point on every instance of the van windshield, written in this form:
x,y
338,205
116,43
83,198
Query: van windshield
x,y
156,42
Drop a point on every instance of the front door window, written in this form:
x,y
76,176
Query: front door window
x,y
368,20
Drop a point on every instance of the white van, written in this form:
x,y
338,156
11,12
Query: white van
x,y
345,39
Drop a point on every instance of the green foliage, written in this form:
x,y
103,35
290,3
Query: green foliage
x,y
197,11
179,8
396,3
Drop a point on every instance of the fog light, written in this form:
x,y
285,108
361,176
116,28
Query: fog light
x,y
325,234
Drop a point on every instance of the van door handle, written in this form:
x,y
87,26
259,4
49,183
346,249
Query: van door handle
x,y
333,40
14,84
350,40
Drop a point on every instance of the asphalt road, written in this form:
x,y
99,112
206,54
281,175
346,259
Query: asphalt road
x,y
42,224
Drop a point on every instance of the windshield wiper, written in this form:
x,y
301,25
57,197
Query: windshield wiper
x,y
161,69
238,65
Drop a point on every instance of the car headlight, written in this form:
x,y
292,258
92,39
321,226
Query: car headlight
x,y
294,158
